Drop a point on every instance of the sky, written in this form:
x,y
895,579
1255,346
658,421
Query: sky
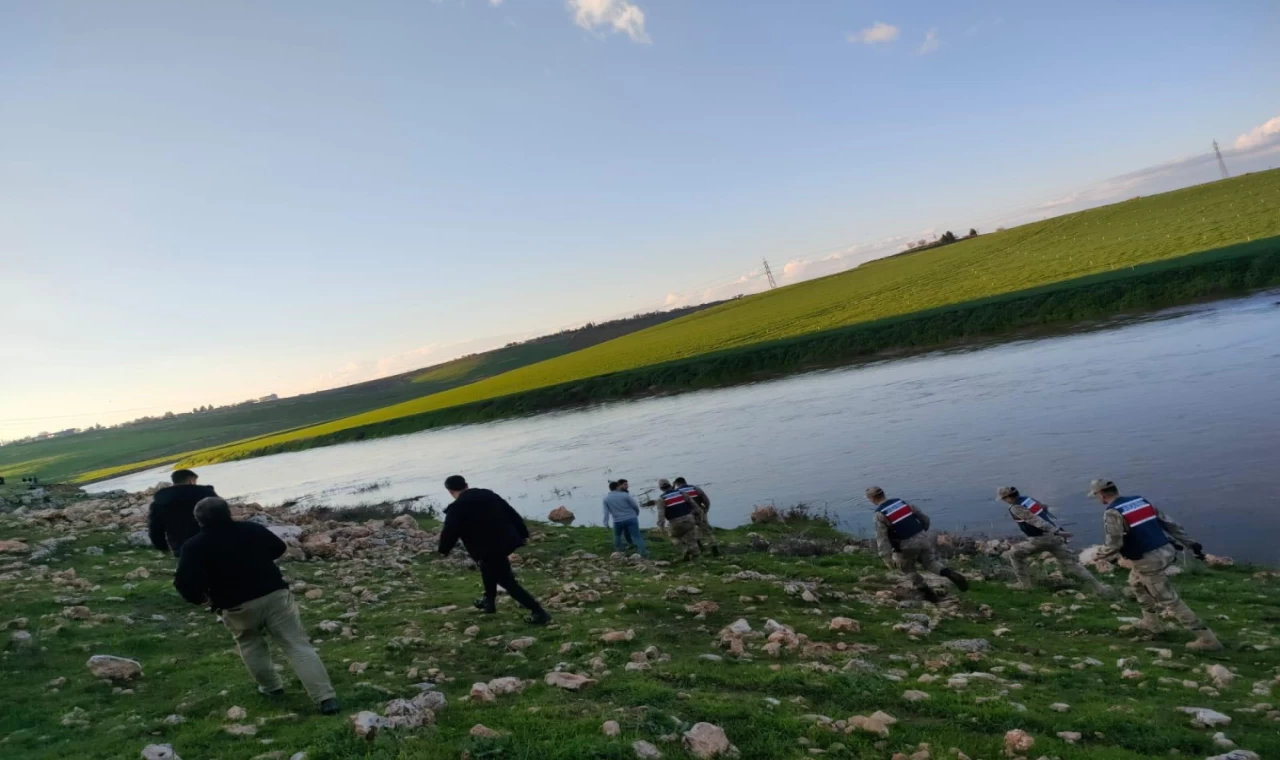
x,y
206,202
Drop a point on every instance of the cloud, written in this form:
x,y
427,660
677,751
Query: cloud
x,y
875,34
1260,135
495,3
930,43
620,15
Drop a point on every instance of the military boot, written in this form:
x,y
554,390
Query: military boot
x,y
1206,641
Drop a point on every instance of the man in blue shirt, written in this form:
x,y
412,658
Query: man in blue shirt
x,y
621,507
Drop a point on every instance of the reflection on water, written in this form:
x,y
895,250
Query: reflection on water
x,y
1183,411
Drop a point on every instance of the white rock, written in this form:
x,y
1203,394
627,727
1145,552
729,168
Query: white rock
x,y
506,685
481,692
1237,754
645,750
1203,717
237,713
611,728
1070,737
570,681
1221,741
366,724
913,695
1060,707
159,752
740,627
844,624
1220,675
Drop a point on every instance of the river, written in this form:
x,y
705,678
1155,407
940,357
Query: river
x,y
1183,408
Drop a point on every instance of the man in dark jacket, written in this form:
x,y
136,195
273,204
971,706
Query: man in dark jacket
x,y
491,530
171,521
231,566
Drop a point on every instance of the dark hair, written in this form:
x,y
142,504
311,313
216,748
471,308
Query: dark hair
x,y
1012,494
211,510
681,482
1111,490
621,481
613,485
182,477
455,483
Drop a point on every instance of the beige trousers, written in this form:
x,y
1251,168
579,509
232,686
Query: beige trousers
x,y
276,616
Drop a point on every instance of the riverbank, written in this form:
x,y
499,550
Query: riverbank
x,y
1226,272
849,640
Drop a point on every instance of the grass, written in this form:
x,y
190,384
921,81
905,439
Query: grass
x,y
191,667
1032,275
164,440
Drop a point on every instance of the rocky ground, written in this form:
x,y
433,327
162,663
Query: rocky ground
x,y
794,643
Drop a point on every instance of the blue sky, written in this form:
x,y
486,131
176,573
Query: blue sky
x,y
205,202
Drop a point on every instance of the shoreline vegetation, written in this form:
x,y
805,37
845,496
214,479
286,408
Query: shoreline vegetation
x,y
1231,271
795,639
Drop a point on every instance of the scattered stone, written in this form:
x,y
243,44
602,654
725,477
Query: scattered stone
x,y
15,547
314,594
561,516
739,627
137,574
876,723
357,668
237,713
1220,675
1070,737
707,740
711,657
968,645
238,729
645,751
1017,742
616,637
844,624
1221,741
481,692
611,728
480,730
505,685
20,639
1203,717
366,724
570,681
1060,707
912,695
76,718
522,643
1237,754
114,668
159,752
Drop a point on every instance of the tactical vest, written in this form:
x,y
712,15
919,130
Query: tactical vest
x,y
675,505
1144,533
1037,509
903,523
693,493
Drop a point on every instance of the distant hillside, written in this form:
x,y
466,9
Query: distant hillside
x,y
58,458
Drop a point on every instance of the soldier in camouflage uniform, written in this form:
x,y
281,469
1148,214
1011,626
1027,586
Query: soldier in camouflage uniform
x,y
1145,536
903,542
705,532
1043,535
681,514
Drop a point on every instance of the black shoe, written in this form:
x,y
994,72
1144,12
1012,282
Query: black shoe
x,y
486,605
929,595
959,580
541,617
329,706
275,692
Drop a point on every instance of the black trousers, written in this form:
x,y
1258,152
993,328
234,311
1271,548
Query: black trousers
x,y
495,572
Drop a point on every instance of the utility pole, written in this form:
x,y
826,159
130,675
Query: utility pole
x,y
769,273
1222,165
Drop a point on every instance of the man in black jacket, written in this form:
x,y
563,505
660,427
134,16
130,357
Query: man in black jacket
x,y
491,531
171,521
231,566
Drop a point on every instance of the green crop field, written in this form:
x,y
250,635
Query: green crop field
x,y
57,458
1243,212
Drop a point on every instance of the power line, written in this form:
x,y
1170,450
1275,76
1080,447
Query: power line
x,y
1222,165
769,273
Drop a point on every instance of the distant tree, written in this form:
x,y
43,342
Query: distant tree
x,y
921,242
911,245
973,232
168,415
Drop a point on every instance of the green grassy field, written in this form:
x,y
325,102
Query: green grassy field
x,y
767,332
60,458
1057,646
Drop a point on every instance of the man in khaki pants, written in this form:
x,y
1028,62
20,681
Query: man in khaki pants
x,y
231,565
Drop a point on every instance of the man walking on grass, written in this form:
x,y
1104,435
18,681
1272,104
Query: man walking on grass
x,y
491,530
1136,530
621,507
678,511
903,541
1043,534
231,565
700,498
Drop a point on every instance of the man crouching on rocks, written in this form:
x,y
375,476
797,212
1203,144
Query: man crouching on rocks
x,y
904,542
231,565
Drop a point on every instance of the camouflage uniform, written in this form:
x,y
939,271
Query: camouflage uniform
x,y
703,503
684,534
916,550
1147,577
1049,542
